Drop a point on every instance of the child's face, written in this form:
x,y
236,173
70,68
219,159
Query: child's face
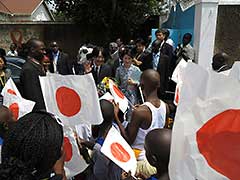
x,y
1,63
6,121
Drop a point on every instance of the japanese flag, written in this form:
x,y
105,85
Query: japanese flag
x,y
17,105
74,162
235,71
107,96
176,77
14,101
11,88
205,141
118,96
72,98
118,150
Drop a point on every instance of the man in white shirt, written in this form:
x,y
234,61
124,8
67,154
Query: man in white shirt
x,y
13,50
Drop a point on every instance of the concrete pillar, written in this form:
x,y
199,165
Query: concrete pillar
x,y
205,30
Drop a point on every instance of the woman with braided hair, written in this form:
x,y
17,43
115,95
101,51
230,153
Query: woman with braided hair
x,y
32,148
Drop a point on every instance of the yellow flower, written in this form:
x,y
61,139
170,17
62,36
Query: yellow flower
x,y
105,81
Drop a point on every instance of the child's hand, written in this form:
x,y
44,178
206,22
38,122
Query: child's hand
x,y
141,176
126,176
131,82
116,109
59,165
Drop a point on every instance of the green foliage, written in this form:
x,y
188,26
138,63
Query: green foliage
x,y
115,17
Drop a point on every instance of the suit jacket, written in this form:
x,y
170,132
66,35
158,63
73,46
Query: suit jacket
x,y
64,65
30,83
167,50
105,71
163,70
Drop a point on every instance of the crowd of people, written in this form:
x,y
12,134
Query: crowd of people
x,y
32,146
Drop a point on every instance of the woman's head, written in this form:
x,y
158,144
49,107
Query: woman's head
x,y
127,57
32,146
3,63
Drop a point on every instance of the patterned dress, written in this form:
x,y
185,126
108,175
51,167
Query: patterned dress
x,y
122,76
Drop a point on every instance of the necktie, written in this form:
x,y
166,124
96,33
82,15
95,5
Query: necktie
x,y
97,71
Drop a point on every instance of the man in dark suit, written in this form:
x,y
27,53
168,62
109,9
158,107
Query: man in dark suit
x,y
165,48
159,62
33,68
59,61
99,69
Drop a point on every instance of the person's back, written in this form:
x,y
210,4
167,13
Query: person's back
x,y
158,118
6,123
157,146
103,168
145,119
32,148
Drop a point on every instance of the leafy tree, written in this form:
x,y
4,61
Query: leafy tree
x,y
110,18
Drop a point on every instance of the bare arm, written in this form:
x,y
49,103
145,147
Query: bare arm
x,y
130,133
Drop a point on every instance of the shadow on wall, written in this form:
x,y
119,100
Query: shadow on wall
x,y
227,33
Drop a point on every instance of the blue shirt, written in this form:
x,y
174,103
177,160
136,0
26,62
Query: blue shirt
x,y
152,178
156,58
1,141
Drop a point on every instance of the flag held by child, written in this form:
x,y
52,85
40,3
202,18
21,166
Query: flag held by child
x,y
11,88
14,101
118,96
74,162
72,98
118,150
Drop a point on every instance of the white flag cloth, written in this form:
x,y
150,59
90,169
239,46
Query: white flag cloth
x,y
118,150
11,88
206,132
17,105
176,77
107,96
73,98
74,162
118,96
235,71
14,101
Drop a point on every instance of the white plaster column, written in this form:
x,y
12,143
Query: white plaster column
x,y
204,30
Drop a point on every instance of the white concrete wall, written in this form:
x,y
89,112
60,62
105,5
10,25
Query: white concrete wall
x,y
205,30
206,13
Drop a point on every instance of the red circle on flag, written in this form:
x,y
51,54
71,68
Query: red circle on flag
x,y
119,152
219,142
118,92
14,108
68,101
67,146
10,91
